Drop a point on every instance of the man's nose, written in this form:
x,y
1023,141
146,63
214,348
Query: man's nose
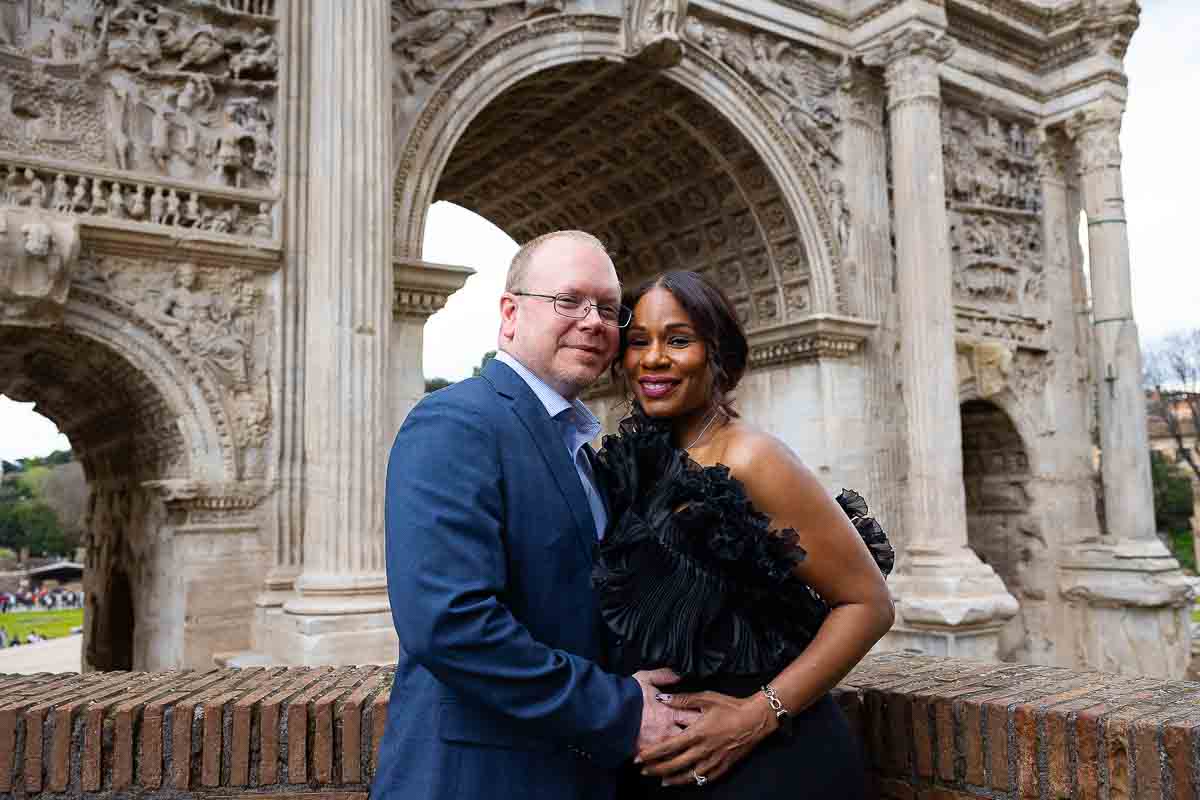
x,y
591,318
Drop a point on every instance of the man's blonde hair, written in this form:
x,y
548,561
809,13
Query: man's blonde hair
x,y
518,268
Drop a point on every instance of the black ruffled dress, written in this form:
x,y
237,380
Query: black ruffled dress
x,y
691,576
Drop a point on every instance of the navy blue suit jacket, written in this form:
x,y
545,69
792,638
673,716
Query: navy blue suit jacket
x,y
489,552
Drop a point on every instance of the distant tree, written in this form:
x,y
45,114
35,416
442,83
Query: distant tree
x,y
42,504
65,490
1172,372
32,525
488,356
1173,498
433,384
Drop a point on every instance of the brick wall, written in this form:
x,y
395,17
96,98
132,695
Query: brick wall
x,y
932,729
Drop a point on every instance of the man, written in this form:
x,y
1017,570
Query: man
x,y
492,517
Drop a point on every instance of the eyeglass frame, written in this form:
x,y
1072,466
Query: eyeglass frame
x,y
590,305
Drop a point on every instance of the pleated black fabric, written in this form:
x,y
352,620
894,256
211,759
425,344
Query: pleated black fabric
x,y
690,575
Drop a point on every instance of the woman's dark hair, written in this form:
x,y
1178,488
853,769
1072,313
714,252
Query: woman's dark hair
x,y
716,322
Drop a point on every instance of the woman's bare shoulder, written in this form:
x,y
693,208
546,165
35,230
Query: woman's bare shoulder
x,y
749,451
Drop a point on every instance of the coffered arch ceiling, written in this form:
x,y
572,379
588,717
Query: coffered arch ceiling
x,y
660,175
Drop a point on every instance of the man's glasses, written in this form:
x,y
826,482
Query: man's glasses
x,y
575,307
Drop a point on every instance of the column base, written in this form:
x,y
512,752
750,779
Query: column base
x,y
949,603
1129,605
333,639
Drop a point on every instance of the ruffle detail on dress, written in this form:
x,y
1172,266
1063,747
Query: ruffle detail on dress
x,y
689,574
871,532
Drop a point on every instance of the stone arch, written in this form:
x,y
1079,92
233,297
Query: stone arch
x,y
780,271
1002,527
139,419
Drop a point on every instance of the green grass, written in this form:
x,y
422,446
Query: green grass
x,y
50,624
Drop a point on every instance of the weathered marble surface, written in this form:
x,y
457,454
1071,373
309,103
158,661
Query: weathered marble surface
x,y
227,316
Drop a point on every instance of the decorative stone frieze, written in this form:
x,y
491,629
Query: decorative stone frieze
x,y
820,336
100,197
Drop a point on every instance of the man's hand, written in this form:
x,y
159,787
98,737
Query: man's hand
x,y
659,721
728,730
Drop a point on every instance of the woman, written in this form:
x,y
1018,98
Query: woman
x,y
726,560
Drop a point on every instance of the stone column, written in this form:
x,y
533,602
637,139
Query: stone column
x,y
339,613
421,288
948,601
1131,600
867,265
285,521
1124,440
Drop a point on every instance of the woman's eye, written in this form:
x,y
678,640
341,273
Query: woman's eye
x,y
679,341
636,342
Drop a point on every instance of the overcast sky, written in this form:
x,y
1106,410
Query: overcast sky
x,y
1161,171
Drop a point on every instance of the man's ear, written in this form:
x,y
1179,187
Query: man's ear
x,y
508,316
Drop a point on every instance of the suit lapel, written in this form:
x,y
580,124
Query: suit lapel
x,y
545,434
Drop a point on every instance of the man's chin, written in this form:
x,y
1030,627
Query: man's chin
x,y
581,377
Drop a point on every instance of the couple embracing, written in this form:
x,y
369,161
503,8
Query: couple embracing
x,y
663,618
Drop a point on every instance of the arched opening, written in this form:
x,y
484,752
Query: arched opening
x,y
645,164
462,332
656,171
124,433
112,645
1000,528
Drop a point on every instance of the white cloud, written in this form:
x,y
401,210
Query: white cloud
x,y
25,433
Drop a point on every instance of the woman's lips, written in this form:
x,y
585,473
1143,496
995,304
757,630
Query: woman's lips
x,y
657,388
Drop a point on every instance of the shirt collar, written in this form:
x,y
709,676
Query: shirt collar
x,y
554,403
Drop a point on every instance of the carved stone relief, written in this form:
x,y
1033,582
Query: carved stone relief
x,y
796,83
185,89
215,318
654,28
38,251
430,35
998,259
993,184
990,163
983,368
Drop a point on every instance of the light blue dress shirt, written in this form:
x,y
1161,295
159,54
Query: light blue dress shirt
x,y
577,426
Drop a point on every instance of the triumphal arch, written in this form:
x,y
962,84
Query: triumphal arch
x,y
212,282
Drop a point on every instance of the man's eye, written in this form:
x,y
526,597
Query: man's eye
x,y
607,312
569,301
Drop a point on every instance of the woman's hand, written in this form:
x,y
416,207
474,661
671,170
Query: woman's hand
x,y
728,729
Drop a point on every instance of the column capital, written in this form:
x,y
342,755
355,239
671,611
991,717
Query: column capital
x,y
1052,155
910,59
860,99
421,288
1096,131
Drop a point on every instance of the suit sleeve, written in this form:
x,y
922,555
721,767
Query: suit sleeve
x,y
446,574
